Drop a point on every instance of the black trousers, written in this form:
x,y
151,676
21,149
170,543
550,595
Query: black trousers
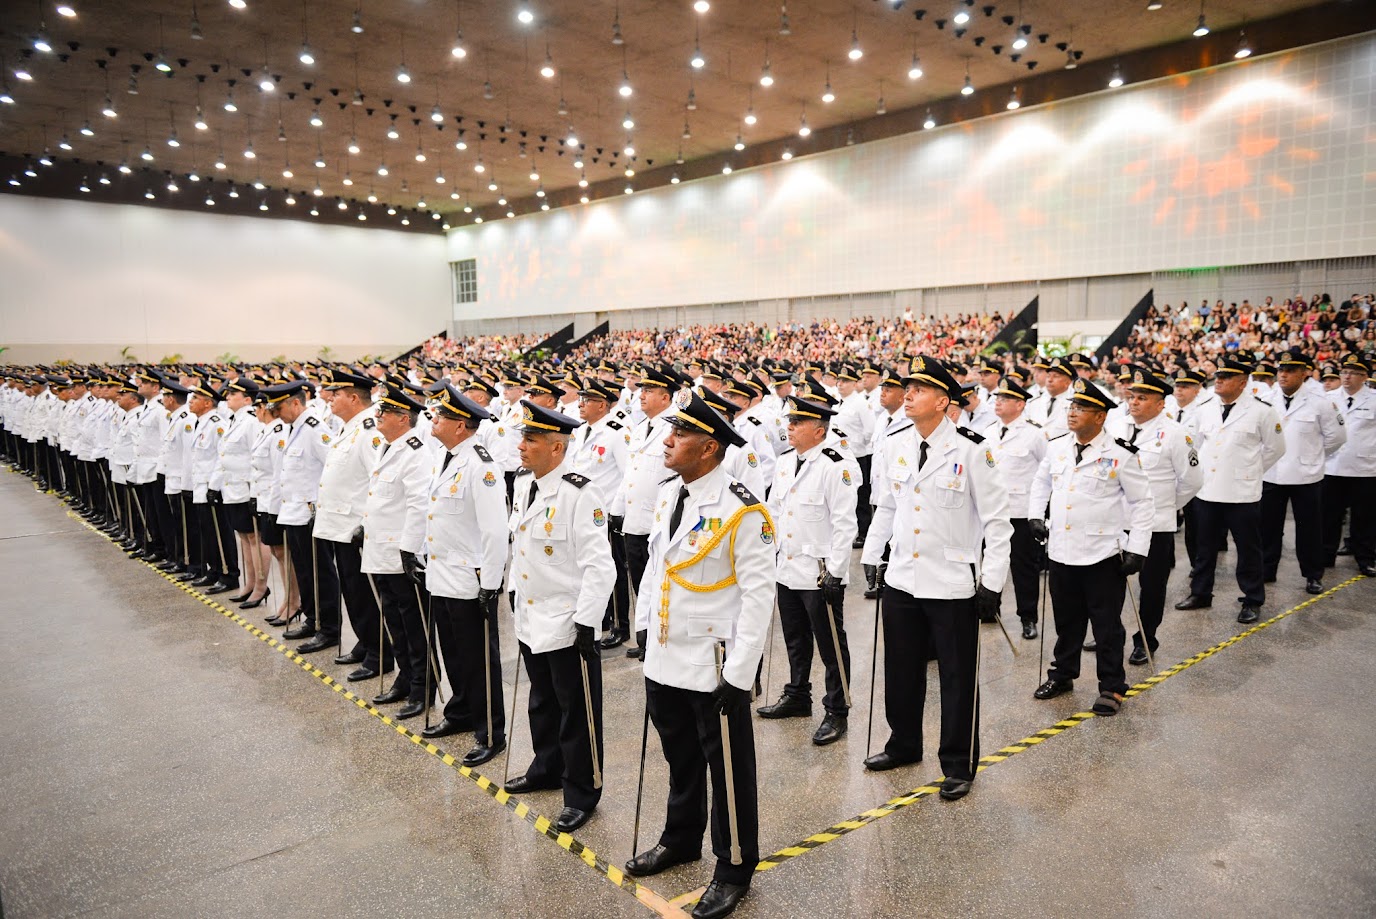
x,y
209,518
309,576
690,735
405,636
559,722
618,615
1216,520
1084,596
863,510
358,599
1025,565
195,546
1155,574
1191,514
803,614
913,628
471,646
1305,502
148,524
637,557
167,508
1341,492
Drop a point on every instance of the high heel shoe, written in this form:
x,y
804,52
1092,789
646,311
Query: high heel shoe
x,y
253,604
279,621
241,597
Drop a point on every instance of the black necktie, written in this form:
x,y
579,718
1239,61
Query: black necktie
x,y
1227,409
1002,431
1050,404
1349,401
922,455
1135,431
1079,452
531,500
447,457
677,516
798,468
1180,415
1287,402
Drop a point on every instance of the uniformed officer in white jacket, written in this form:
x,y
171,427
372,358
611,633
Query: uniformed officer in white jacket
x,y
813,499
561,575
338,529
942,510
1349,485
1196,410
855,416
600,451
393,519
632,507
1097,492
1168,455
1019,445
219,571
463,551
707,600
1054,402
231,478
151,420
1239,445
741,463
177,529
890,420
1314,431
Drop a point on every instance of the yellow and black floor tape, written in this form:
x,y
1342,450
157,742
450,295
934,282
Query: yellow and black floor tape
x,y
541,824
647,897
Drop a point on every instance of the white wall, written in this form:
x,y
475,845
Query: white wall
x,y
80,280
1259,161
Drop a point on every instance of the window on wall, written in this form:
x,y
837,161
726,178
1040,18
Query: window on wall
x,y
465,280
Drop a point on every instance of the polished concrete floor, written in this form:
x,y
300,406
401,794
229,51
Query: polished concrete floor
x,y
159,760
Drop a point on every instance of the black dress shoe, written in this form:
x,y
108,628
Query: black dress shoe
x,y
1053,688
570,819
447,726
481,753
832,729
522,784
884,761
305,630
858,542
168,565
613,640
1138,656
1313,586
1249,614
637,653
204,580
361,674
786,707
223,587
954,789
319,643
410,710
394,694
660,858
1029,629
1368,570
1193,601
719,899
353,657
186,574
1091,645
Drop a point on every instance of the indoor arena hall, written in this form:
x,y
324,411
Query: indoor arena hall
x,y
657,457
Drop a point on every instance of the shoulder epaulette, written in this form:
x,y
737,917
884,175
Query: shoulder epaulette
x,y
277,428
740,491
754,420
970,435
576,480
831,454
1263,402
214,418
312,420
369,423
482,453
1131,448
1059,436
521,470
898,430
1034,424
786,452
614,425
839,433
668,480
414,443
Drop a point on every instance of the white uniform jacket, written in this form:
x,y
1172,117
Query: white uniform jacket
x,y
757,441
1314,431
151,422
1168,455
1358,456
561,561
600,452
303,449
394,508
935,518
854,417
205,452
344,481
635,499
1236,452
235,466
815,509
725,543
465,529
1093,501
1018,450
180,426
